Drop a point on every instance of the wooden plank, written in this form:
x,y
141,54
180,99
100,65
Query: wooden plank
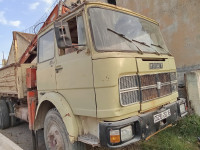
x,y
13,80
8,89
8,93
8,84
8,80
20,83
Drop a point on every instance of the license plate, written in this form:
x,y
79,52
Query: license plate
x,y
162,115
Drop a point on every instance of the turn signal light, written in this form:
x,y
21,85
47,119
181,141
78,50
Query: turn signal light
x,y
114,136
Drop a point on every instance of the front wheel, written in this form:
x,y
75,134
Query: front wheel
x,y
56,135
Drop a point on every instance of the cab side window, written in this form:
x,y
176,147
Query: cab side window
x,y
46,46
77,33
73,30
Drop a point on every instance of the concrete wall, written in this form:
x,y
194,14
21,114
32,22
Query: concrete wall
x,y
193,90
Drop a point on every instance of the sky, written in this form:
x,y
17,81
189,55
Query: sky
x,y
18,15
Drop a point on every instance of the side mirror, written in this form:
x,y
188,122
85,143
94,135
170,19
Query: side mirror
x,y
62,33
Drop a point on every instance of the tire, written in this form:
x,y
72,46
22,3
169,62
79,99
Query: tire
x,y
56,135
4,115
13,120
34,140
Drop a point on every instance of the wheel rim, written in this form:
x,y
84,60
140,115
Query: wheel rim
x,y
54,138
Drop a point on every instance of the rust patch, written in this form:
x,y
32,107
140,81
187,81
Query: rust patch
x,y
67,115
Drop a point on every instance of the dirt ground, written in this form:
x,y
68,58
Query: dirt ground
x,y
21,135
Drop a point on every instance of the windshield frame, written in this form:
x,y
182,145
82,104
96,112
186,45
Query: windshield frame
x,y
127,13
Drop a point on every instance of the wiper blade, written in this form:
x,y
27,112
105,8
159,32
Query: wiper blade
x,y
123,36
157,45
143,43
120,34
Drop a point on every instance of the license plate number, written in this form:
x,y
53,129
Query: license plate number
x,y
162,115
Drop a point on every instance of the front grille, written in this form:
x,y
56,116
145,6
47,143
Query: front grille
x,y
151,86
129,97
127,82
164,77
173,76
165,90
129,90
149,94
174,87
163,84
147,80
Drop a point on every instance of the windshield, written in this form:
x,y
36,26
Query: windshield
x,y
117,31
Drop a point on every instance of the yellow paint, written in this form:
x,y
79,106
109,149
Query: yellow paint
x,y
87,86
65,111
159,102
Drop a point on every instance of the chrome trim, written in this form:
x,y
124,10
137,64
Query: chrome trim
x,y
126,90
149,87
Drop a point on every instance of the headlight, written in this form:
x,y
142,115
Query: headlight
x,y
126,133
182,108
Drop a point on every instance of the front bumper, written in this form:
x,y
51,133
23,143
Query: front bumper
x,y
143,125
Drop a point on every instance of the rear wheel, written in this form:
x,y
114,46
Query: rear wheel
x,y
13,120
56,135
4,115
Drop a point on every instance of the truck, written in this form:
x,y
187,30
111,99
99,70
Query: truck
x,y
104,77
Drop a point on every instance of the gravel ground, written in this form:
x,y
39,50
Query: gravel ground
x,y
21,135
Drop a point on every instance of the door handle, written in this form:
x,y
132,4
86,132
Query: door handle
x,y
58,68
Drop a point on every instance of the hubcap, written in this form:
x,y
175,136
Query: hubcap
x,y
54,137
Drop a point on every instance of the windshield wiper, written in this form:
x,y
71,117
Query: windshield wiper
x,y
123,36
159,46
143,43
120,34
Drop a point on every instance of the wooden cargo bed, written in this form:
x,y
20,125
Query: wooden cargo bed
x,y
13,80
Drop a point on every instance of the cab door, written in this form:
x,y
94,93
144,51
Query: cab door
x,y
74,75
46,80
